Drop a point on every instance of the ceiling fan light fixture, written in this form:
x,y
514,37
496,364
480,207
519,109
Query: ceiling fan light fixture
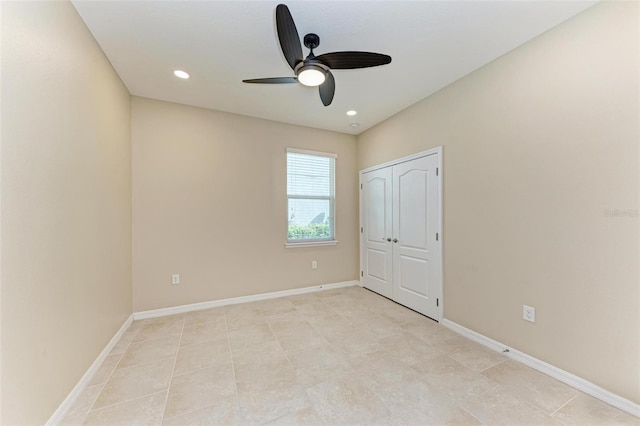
x,y
311,75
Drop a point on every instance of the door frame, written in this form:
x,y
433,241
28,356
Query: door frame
x,y
437,151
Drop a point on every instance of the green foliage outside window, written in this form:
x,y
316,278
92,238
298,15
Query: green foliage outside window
x,y
311,231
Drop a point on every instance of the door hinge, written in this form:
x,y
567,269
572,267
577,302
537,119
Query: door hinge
x,y
360,186
361,230
361,273
437,302
437,171
437,236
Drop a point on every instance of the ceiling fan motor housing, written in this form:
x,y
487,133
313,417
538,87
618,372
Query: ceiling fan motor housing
x,y
310,64
311,41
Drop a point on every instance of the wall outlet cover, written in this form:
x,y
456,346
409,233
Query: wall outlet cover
x,y
528,313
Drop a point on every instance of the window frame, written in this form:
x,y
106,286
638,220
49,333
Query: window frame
x,y
332,202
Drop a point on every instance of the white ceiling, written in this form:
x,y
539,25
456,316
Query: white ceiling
x,y
432,43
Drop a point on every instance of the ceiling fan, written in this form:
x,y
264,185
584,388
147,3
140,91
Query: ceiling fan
x,y
314,70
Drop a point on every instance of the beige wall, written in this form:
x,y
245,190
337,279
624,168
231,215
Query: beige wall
x,y
66,206
538,145
209,203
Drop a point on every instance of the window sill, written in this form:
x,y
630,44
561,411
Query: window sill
x,y
312,244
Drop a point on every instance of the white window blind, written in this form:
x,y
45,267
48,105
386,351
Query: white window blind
x,y
311,196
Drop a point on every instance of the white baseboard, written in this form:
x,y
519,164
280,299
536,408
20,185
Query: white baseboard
x,y
62,410
235,300
548,369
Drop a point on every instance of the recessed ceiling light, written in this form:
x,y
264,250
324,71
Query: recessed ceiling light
x,y
352,113
354,125
181,74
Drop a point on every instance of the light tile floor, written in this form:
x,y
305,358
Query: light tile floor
x,y
343,357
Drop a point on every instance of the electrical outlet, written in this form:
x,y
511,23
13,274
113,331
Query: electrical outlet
x,y
314,264
528,313
175,279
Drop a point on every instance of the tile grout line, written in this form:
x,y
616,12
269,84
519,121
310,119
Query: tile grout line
x,y
293,368
443,352
173,369
447,353
393,413
126,401
193,370
84,418
468,412
533,404
99,393
204,324
236,408
295,372
143,362
354,371
563,405
495,365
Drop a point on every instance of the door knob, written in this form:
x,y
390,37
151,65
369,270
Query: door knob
x,y
389,239
395,240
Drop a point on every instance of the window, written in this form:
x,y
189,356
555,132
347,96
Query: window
x,y
311,197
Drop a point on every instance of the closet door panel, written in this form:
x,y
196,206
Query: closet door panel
x,y
414,230
377,230
411,227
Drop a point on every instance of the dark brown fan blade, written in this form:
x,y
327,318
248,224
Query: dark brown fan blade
x,y
272,80
351,60
327,89
288,36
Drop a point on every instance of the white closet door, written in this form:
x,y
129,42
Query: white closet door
x,y
377,230
416,263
